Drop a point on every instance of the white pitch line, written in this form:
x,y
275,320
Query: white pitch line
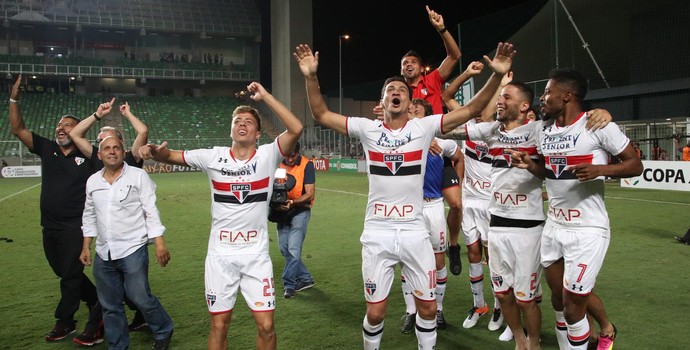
x,y
646,200
20,192
343,192
607,197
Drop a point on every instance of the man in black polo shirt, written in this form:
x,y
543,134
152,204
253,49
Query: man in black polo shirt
x,y
65,171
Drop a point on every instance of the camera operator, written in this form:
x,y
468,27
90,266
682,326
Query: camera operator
x,y
292,219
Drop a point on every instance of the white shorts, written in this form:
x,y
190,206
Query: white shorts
x,y
475,221
434,212
250,274
515,260
583,250
383,249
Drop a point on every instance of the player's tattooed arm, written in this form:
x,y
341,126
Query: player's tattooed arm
x,y
459,133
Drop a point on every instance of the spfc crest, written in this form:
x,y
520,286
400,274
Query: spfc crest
x,y
210,299
240,191
481,151
393,161
558,165
79,160
370,287
508,156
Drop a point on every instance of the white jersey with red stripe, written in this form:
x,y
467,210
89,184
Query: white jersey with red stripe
x,y
396,162
515,193
240,193
477,183
572,202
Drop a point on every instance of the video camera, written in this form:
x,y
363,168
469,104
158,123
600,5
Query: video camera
x,y
282,184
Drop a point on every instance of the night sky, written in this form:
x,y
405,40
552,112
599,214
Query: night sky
x,y
382,31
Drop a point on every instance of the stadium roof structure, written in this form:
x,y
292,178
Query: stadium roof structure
x,y
230,17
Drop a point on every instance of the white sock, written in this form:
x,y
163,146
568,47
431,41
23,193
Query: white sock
x,y
477,283
408,297
561,331
578,334
426,338
441,278
371,334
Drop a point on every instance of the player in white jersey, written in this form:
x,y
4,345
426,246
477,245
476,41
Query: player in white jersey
x,y
476,190
434,216
577,232
241,180
517,213
394,231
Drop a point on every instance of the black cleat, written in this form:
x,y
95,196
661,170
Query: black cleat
x,y
454,257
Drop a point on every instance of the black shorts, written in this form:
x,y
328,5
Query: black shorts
x,y
450,178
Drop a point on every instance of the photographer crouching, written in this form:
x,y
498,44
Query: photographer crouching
x,y
293,197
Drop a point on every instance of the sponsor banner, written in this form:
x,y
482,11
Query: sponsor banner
x,y
21,171
661,175
320,164
157,168
343,165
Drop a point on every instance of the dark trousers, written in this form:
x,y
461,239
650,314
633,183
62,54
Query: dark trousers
x,y
62,249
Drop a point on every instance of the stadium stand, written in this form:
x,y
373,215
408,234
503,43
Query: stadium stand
x,y
185,122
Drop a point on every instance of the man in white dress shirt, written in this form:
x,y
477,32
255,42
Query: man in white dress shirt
x,y
120,210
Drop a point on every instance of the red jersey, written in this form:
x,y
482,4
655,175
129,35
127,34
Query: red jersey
x,y
429,89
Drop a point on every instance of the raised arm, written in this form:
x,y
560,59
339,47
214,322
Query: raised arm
x,y
500,65
139,126
452,49
293,127
448,95
161,153
78,133
308,65
489,112
16,120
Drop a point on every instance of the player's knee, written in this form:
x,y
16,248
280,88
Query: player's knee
x,y
266,331
455,205
527,306
474,253
375,317
503,297
426,309
219,328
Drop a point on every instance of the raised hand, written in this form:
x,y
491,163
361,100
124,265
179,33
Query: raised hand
x,y
150,151
105,108
124,108
308,61
435,18
16,89
507,79
503,59
257,91
474,68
